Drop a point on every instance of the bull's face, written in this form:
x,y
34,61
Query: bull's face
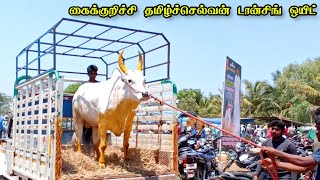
x,y
134,79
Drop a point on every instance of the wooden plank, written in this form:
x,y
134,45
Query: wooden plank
x,y
166,146
146,136
36,107
25,133
150,102
157,89
32,175
152,127
155,147
154,109
19,153
175,162
19,136
156,118
34,127
40,121
155,136
35,117
37,87
48,142
33,106
37,97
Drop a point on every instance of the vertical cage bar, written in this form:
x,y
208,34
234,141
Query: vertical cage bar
x,y
40,125
20,125
27,62
17,60
33,89
54,49
48,133
25,129
168,65
15,119
39,57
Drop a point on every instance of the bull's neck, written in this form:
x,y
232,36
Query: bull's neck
x,y
127,104
121,117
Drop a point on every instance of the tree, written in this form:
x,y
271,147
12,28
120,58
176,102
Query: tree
x,y
72,88
298,89
257,99
193,100
5,102
189,99
210,106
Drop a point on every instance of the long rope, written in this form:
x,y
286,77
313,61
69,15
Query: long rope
x,y
274,173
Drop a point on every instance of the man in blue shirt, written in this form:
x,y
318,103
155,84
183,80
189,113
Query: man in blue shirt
x,y
295,163
1,128
203,132
194,132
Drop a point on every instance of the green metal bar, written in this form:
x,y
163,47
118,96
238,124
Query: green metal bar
x,y
56,73
175,91
15,92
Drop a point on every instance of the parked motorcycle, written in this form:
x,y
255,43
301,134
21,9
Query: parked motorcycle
x,y
242,156
196,158
187,157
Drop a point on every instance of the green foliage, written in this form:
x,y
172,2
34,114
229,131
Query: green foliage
x,y
5,102
193,100
296,88
72,88
294,94
298,112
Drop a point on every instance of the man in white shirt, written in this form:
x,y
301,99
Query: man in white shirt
x,y
258,131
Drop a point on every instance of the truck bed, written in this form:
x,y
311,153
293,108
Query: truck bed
x,y
140,163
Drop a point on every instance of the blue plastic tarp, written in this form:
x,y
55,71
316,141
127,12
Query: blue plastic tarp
x,y
213,120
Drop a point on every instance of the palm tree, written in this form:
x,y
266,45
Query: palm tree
x,y
257,99
211,106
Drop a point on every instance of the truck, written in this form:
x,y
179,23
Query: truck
x,y
42,111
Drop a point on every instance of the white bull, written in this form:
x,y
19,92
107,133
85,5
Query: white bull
x,y
109,105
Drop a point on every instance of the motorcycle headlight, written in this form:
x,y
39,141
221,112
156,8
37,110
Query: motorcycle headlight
x,y
238,149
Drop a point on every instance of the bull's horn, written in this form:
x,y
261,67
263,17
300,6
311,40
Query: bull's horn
x,y
140,64
120,62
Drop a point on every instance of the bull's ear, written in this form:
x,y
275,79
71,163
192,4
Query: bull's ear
x,y
140,63
120,62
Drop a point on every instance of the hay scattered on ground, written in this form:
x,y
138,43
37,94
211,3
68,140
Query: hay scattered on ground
x,y
79,166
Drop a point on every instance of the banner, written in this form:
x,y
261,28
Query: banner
x,y
231,101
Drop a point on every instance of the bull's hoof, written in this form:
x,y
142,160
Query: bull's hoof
x,y
126,158
102,165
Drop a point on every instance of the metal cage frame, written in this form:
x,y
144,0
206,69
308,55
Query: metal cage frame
x,y
53,32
